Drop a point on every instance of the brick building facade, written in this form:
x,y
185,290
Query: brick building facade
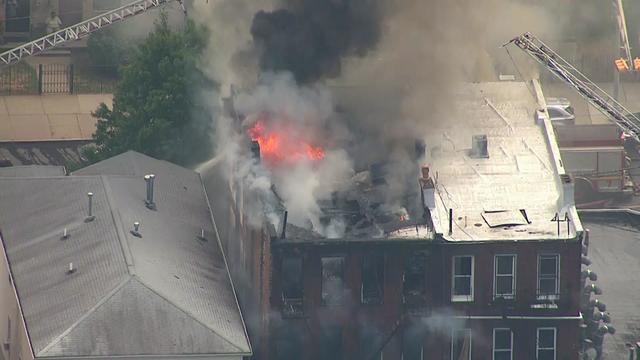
x,y
487,267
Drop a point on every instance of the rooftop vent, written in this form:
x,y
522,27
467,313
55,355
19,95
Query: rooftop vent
x,y
568,190
71,268
90,216
150,179
202,236
65,234
479,146
428,189
136,230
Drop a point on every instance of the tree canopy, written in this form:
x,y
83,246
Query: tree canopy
x,y
158,108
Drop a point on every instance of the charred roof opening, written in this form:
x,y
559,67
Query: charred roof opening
x,y
479,146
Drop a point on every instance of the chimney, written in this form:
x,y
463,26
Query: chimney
x,y
90,217
255,150
479,146
428,189
568,190
149,179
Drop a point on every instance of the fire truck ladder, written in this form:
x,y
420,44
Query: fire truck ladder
x,y
80,30
566,72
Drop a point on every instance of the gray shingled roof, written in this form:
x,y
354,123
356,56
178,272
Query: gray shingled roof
x,y
167,293
32,171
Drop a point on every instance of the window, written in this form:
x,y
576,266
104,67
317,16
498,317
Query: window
x,y
504,284
332,280
292,289
370,339
461,344
331,344
413,280
548,282
288,344
412,343
546,344
462,289
502,344
372,289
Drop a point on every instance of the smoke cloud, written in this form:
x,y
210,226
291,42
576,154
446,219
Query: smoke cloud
x,y
309,38
363,78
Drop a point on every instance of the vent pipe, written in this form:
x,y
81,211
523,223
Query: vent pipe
x,y
136,230
450,221
149,179
71,269
284,225
90,216
65,234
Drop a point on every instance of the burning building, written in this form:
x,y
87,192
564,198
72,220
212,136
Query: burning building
x,y
478,255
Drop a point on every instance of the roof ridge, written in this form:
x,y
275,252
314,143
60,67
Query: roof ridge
x,y
99,304
139,280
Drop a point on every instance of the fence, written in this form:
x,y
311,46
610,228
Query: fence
x,y
22,79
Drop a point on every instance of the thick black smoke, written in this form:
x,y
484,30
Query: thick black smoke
x,y
310,37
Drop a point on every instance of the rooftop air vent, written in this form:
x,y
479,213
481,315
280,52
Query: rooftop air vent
x,y
71,268
479,146
90,217
136,230
150,179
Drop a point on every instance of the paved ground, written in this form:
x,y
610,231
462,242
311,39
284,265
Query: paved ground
x,y
614,250
48,117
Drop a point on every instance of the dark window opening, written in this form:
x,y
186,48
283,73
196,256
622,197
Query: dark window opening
x,y
414,287
372,279
504,282
17,15
332,280
546,344
292,287
502,344
370,342
461,344
288,345
331,344
412,343
548,269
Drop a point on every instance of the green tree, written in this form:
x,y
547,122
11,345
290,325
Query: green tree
x,y
107,52
157,106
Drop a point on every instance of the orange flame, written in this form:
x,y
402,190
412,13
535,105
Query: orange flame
x,y
280,144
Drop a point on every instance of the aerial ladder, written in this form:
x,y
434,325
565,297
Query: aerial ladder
x,y
80,30
610,107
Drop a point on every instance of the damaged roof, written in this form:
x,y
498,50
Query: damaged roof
x,y
514,191
166,293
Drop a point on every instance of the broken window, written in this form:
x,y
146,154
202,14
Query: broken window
x,y
548,269
331,344
372,289
292,288
462,289
414,287
332,280
461,344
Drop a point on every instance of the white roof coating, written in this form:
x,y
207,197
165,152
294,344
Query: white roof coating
x,y
519,180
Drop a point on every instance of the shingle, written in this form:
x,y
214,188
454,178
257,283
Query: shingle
x,y
183,278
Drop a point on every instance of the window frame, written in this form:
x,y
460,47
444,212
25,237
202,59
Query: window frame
x,y
493,347
555,341
555,296
462,298
382,280
323,301
514,263
453,333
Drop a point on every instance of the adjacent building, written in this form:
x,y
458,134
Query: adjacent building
x,y
111,262
481,259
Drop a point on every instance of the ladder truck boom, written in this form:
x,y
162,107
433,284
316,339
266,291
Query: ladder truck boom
x,y
79,30
566,72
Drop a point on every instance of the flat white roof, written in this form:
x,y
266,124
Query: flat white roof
x,y
515,192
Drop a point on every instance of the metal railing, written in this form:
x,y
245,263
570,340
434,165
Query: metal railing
x,y
22,79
